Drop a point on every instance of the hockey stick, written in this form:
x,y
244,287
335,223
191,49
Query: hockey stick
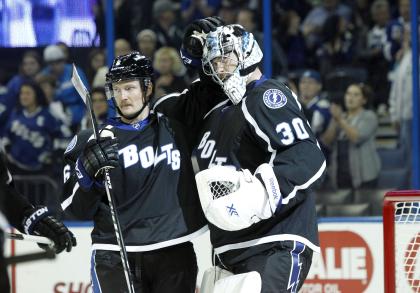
x,y
85,95
32,238
12,260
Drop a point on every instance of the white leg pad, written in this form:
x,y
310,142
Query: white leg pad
x,y
210,277
241,283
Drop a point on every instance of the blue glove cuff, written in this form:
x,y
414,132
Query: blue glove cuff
x,y
189,60
84,179
32,220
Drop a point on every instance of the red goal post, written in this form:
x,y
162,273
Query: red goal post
x,y
401,224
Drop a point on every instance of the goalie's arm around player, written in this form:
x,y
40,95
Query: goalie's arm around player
x,y
18,212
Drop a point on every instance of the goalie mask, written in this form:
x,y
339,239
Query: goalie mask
x,y
132,66
231,54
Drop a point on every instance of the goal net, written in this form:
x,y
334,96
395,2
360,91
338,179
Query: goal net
x,y
401,218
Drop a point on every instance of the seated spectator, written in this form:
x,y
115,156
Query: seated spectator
x,y
65,91
337,46
317,109
247,18
100,108
28,69
314,21
228,11
165,25
146,43
372,53
170,71
32,133
96,60
351,135
197,9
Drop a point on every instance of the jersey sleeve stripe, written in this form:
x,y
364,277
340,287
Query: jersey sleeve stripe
x,y
65,204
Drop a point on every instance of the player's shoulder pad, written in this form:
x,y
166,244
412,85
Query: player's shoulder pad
x,y
77,144
271,95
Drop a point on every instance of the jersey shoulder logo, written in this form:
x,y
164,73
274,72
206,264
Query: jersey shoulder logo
x,y
71,145
274,98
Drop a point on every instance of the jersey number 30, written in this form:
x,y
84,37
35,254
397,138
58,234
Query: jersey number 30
x,y
285,129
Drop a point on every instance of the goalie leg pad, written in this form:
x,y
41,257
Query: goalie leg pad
x,y
241,283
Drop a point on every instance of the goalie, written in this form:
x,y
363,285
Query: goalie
x,y
258,160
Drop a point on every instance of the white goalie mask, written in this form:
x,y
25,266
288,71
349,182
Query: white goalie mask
x,y
230,55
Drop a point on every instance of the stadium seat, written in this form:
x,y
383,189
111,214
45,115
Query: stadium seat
x,y
348,210
394,178
339,196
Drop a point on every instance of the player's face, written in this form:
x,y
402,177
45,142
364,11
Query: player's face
x,y
224,66
27,97
129,96
354,98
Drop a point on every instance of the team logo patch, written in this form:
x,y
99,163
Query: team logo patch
x,y
71,145
274,98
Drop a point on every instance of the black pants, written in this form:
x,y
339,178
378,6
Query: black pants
x,y
172,269
283,268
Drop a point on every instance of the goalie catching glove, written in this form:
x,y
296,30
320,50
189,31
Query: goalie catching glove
x,y
38,221
234,200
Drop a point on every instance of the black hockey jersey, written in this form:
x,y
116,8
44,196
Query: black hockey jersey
x,y
154,189
267,126
12,204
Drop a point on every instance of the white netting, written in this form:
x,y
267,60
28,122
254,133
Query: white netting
x,y
407,244
221,188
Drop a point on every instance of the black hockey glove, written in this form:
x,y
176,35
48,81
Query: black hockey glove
x,y
98,155
38,221
195,38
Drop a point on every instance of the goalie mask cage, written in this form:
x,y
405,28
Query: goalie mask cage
x,y
401,223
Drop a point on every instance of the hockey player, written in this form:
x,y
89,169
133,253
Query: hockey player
x,y
17,211
258,160
153,186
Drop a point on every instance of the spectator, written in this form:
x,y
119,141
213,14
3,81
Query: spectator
x,y
48,86
196,9
373,56
66,50
337,46
228,11
65,91
31,133
401,96
29,67
395,32
121,47
96,60
247,18
146,43
319,116
354,160
100,108
165,27
170,70
314,22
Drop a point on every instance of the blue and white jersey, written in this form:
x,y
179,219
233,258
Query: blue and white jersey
x,y
321,115
32,137
394,37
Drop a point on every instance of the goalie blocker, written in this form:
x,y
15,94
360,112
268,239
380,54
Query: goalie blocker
x,y
234,200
